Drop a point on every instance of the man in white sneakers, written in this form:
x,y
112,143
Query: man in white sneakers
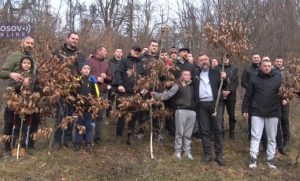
x,y
262,100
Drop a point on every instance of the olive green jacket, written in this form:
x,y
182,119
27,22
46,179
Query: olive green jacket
x,y
12,64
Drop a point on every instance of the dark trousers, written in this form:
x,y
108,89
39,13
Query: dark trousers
x,y
170,126
122,120
285,125
62,110
279,140
211,125
12,123
283,132
230,107
87,122
131,124
170,122
100,119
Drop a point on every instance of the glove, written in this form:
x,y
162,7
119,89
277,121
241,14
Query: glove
x,y
93,79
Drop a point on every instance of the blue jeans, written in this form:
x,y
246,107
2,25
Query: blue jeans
x,y
87,122
63,109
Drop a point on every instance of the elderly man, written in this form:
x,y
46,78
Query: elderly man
x,y
206,93
262,100
9,70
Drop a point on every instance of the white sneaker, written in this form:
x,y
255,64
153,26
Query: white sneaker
x,y
140,136
189,155
271,164
178,155
253,163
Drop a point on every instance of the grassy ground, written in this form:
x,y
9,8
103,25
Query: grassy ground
x,y
112,161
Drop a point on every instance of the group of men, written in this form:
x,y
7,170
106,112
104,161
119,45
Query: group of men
x,y
261,103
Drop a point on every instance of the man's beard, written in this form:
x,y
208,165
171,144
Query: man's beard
x,y
27,50
204,67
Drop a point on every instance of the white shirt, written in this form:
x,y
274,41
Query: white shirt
x,y
205,91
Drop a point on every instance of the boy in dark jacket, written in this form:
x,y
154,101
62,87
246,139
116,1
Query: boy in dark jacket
x,y
12,125
88,85
185,115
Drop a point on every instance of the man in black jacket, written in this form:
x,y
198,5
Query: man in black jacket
x,y
283,125
113,64
183,63
128,71
229,94
249,72
70,48
63,108
151,53
262,100
206,90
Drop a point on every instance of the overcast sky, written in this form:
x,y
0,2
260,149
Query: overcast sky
x,y
59,6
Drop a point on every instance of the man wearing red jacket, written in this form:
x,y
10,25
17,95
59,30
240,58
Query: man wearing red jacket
x,y
100,69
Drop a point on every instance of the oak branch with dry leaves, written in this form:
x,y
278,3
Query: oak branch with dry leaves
x,y
156,71
23,103
230,39
59,86
291,79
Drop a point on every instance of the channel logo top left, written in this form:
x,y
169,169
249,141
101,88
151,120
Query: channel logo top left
x,y
16,30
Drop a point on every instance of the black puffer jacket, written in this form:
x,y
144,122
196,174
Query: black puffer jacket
x,y
128,66
262,95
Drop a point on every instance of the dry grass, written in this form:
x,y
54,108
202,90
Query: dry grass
x,y
121,162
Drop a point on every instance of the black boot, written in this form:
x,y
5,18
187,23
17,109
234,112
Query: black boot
x,y
129,138
231,134
118,139
31,143
76,147
7,146
88,147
